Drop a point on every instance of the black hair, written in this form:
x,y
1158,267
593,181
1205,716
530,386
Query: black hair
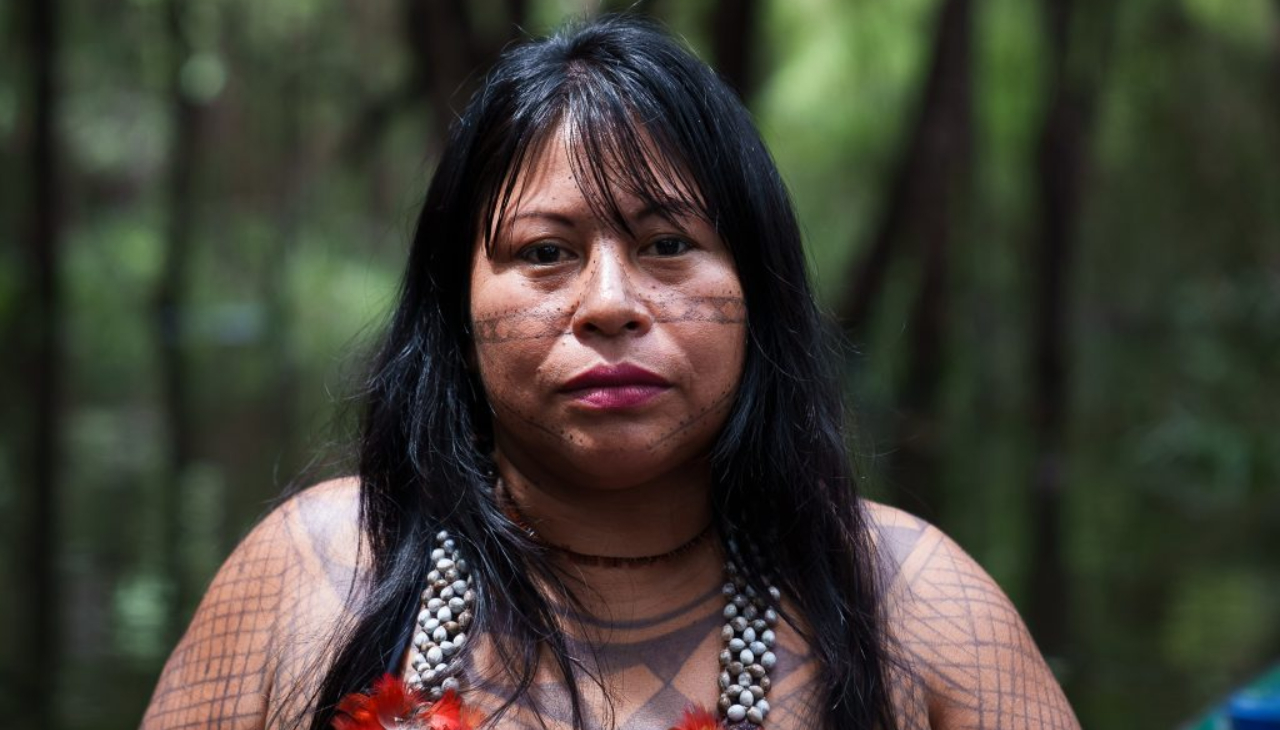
x,y
641,110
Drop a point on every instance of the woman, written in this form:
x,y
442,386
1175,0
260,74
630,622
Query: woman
x,y
602,475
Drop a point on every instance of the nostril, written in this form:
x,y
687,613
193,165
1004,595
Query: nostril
x,y
633,325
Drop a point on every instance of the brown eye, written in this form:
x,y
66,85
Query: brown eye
x,y
669,247
545,254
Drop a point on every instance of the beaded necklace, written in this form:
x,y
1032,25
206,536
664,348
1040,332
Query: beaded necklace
x,y
428,698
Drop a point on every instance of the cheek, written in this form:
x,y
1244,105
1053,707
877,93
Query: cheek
x,y
512,349
719,353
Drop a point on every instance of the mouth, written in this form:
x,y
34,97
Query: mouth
x,y
615,386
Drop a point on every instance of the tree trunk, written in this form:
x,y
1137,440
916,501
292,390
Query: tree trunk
x,y
927,202
289,207
41,629
449,55
940,136
944,192
171,314
1062,149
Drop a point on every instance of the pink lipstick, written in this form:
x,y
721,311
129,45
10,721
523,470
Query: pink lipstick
x,y
609,387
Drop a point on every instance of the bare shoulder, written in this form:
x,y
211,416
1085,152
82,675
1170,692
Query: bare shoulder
x,y
963,642
265,616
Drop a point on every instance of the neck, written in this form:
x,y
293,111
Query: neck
x,y
634,521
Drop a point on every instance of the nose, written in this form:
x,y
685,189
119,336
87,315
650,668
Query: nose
x,y
610,305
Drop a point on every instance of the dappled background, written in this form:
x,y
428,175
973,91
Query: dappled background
x,y
1050,230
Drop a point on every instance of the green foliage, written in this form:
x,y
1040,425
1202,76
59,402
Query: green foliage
x,y
298,236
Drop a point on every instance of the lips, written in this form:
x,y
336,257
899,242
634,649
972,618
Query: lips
x,y
615,386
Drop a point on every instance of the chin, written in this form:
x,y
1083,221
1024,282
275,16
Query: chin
x,y
610,464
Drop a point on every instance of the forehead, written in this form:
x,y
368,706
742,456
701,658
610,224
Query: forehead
x,y
611,179
547,176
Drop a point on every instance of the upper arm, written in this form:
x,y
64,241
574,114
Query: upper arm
x,y
263,618
963,639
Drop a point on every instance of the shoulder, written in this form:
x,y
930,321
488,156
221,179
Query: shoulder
x,y
961,641
265,618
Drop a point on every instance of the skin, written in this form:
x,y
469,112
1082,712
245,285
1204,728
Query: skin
x,y
562,293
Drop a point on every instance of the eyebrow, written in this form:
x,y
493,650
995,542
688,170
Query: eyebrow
x,y
546,215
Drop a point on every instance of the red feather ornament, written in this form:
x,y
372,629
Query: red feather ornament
x,y
698,718
449,713
391,704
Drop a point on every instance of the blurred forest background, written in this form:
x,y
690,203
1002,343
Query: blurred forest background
x,y
1050,228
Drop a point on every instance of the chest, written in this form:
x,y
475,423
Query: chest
x,y
641,675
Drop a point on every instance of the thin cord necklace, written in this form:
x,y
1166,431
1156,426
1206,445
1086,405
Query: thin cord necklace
x,y
509,507
447,608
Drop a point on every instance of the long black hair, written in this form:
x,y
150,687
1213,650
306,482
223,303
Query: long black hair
x,y
641,109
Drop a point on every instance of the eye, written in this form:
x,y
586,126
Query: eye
x,y
545,254
669,246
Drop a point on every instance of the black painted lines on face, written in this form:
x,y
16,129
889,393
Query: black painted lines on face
x,y
515,325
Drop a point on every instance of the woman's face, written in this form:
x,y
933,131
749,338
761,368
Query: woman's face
x,y
609,359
